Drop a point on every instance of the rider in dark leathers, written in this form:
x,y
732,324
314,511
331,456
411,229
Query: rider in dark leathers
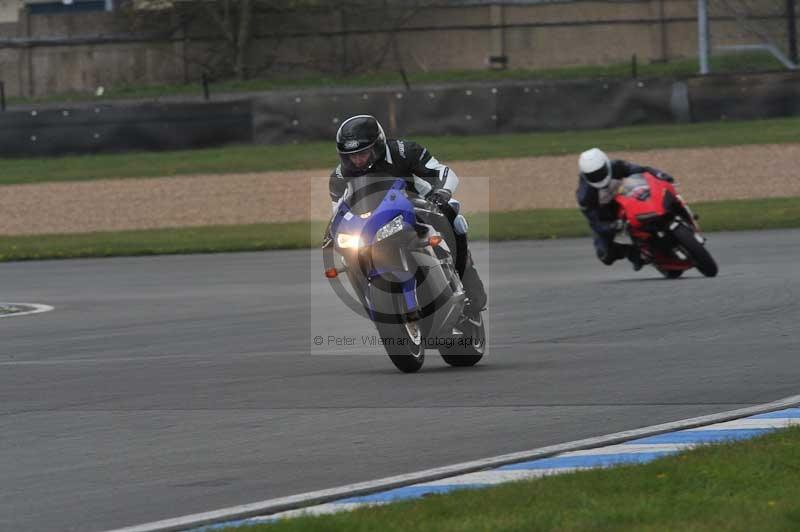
x,y
598,180
364,150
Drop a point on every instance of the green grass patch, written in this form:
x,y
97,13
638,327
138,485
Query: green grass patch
x,y
748,485
211,239
732,215
531,224
733,62
315,155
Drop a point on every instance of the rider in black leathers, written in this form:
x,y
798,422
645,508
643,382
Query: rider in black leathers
x,y
364,150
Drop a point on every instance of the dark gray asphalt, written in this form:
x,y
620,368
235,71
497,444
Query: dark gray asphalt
x,y
172,385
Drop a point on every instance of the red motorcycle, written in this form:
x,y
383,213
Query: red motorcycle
x,y
662,226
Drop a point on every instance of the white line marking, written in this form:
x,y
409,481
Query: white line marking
x,y
500,476
630,448
770,423
322,509
36,309
314,498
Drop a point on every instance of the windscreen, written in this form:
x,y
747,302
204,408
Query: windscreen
x,y
365,193
636,186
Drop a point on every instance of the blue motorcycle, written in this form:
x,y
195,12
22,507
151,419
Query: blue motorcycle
x,y
396,249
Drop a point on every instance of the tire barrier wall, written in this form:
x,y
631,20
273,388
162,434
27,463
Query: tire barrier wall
x,y
107,128
745,97
508,107
466,109
511,107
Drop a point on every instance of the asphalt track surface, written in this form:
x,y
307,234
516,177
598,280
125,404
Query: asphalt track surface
x,y
172,385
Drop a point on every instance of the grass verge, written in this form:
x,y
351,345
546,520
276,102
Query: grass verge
x,y
238,159
749,485
771,213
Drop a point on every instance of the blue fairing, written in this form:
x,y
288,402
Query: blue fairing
x,y
393,204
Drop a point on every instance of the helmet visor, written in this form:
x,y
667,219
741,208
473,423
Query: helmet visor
x,y
597,176
359,161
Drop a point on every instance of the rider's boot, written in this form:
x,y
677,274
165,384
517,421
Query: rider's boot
x,y
635,256
618,251
473,287
476,293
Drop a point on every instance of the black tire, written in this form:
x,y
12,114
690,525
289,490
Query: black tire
x,y
696,251
464,354
406,352
671,274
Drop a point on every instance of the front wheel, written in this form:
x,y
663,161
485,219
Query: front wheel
x,y
403,344
468,349
696,251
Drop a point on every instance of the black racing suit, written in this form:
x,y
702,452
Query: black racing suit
x,y
599,208
410,161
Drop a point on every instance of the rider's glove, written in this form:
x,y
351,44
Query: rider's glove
x,y
663,176
440,196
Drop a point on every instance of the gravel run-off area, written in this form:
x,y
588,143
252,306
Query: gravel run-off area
x,y
704,174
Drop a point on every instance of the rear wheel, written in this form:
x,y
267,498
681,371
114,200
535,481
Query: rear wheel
x,y
468,349
696,251
403,344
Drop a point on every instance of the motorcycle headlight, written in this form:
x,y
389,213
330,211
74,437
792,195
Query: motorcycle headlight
x,y
395,226
347,241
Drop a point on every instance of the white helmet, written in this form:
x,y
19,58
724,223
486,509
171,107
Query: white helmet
x,y
595,167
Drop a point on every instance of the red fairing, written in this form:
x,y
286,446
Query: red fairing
x,y
634,201
640,201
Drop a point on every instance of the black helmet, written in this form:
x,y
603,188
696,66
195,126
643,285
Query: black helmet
x,y
359,136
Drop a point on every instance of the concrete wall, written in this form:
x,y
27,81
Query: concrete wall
x,y
535,36
9,10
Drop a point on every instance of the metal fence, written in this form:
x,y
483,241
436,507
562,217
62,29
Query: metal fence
x,y
60,53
